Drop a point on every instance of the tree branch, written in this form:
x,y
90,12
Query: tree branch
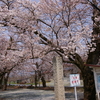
x,y
93,5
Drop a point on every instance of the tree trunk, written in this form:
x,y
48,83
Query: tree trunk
x,y
4,86
5,81
36,79
1,78
43,81
89,84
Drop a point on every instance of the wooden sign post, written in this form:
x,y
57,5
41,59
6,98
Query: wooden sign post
x,y
58,78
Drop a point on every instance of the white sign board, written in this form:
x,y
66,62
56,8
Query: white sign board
x,y
74,79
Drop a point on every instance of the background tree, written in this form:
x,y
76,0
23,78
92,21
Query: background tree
x,y
10,58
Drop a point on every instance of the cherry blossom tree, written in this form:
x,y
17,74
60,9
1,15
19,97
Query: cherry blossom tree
x,y
9,59
22,25
63,26
70,27
13,53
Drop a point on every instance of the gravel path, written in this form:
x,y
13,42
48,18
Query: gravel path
x,y
31,94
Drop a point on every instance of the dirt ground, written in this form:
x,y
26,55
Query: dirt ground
x,y
39,93
71,89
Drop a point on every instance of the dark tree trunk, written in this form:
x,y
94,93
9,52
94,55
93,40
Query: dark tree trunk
x,y
5,81
43,81
36,79
39,77
89,85
1,79
4,86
